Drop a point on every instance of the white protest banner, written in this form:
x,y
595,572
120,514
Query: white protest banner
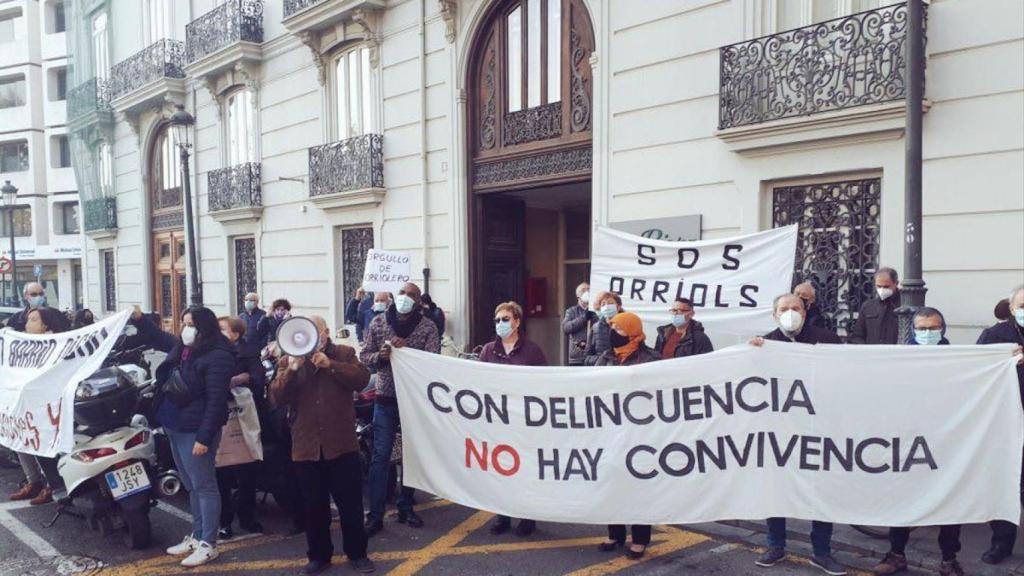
x,y
731,281
38,378
386,270
877,435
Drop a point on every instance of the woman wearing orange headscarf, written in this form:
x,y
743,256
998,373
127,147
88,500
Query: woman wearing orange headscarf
x,y
627,349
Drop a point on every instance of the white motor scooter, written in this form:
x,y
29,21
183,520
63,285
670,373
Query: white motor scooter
x,y
109,475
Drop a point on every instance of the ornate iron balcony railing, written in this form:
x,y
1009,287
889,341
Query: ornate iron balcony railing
x,y
842,63
231,22
235,187
352,164
162,59
99,214
93,95
291,7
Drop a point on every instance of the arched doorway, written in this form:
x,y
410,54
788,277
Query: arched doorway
x,y
529,138
164,188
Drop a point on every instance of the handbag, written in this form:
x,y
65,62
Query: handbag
x,y
176,390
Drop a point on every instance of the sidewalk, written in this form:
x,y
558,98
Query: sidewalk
x,y
860,552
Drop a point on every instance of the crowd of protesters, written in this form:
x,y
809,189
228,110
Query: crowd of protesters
x,y
309,404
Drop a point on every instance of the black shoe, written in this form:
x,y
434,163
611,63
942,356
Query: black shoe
x,y
411,519
636,554
771,557
500,526
363,565
995,555
525,528
610,546
372,527
225,533
828,565
316,566
253,527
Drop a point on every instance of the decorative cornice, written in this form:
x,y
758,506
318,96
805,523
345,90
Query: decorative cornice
x,y
448,9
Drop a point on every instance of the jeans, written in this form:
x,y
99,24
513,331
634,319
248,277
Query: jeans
x,y
245,477
199,476
30,467
949,540
341,479
40,470
821,535
385,426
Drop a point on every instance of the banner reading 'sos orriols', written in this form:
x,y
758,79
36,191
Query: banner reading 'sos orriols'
x,y
877,435
39,375
731,281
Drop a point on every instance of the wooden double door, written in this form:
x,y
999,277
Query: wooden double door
x,y
169,293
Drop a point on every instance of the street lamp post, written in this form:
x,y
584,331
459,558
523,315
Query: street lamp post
x,y
182,122
913,289
10,196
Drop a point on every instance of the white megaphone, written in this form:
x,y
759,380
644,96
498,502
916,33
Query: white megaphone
x,y
298,337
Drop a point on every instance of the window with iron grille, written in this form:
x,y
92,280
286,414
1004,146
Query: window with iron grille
x,y
109,286
245,270
837,242
355,242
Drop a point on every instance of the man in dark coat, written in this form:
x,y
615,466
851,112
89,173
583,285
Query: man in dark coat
x,y
807,293
35,297
576,325
877,322
1004,534
252,316
684,336
792,320
359,311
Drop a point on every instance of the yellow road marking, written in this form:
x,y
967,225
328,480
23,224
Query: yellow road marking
x,y
161,564
439,547
674,542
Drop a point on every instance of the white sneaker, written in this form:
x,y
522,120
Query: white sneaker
x,y
185,547
203,553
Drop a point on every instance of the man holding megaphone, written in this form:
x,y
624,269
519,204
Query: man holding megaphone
x,y
316,379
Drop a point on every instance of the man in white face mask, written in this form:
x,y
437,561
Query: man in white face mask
x,y
877,322
576,325
791,316
1004,534
402,325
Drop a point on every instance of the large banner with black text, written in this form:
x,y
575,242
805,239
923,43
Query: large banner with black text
x,y
39,375
876,435
731,281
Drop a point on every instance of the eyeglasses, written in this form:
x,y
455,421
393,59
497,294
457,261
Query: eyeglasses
x,y
501,319
36,293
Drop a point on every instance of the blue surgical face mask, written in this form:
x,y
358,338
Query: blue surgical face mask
x,y
504,329
679,320
927,337
380,306
250,305
1018,315
608,311
404,304
37,301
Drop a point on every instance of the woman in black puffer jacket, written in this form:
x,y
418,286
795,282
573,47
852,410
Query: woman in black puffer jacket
x,y
206,362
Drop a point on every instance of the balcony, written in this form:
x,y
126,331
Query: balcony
x,y
234,193
348,172
149,77
304,16
223,37
99,217
842,77
89,103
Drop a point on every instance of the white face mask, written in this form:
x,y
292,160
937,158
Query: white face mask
x,y
1018,316
404,304
790,321
884,293
188,335
585,299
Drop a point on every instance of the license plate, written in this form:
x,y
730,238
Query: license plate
x,y
126,481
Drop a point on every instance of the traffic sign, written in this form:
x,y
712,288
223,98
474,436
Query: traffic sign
x,y
5,264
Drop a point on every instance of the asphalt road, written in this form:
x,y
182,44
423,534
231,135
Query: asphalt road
x,y
455,541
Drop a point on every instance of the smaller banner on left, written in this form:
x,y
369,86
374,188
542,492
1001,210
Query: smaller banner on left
x,y
39,375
